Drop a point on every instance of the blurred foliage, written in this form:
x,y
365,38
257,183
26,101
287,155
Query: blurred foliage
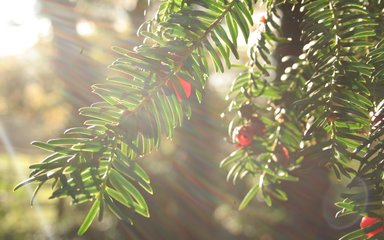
x,y
18,220
31,99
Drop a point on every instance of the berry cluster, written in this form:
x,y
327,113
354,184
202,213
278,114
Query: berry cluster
x,y
369,221
253,126
245,134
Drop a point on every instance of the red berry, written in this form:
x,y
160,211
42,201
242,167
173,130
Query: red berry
x,y
186,87
184,84
244,136
263,19
332,117
285,152
282,154
369,221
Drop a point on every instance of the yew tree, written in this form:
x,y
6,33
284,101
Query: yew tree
x,y
320,104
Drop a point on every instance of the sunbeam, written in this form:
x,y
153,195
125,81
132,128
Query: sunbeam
x,y
4,139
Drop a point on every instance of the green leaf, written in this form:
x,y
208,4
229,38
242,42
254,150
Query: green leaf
x,y
232,44
250,195
115,210
89,218
36,191
52,148
234,156
222,50
127,190
353,235
238,17
346,205
245,11
125,200
38,178
133,171
232,27
215,57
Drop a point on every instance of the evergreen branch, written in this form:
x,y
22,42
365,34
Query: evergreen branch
x,y
98,162
265,143
339,77
366,195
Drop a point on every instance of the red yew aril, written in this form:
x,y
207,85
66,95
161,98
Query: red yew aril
x,y
369,221
285,152
282,154
184,84
244,136
263,19
332,117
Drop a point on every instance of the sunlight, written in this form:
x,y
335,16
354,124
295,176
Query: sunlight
x,y
21,28
4,140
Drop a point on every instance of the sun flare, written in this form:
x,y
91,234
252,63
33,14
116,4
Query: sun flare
x,y
20,26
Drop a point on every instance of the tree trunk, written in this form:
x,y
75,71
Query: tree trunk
x,y
306,198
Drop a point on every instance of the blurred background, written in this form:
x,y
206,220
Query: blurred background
x,y
51,52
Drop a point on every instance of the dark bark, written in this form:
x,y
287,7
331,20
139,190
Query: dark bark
x,y
306,198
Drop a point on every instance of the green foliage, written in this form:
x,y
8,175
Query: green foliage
x,y
327,107
263,159
99,161
319,109
336,95
367,195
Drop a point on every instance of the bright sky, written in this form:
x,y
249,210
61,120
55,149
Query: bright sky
x,y
20,27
